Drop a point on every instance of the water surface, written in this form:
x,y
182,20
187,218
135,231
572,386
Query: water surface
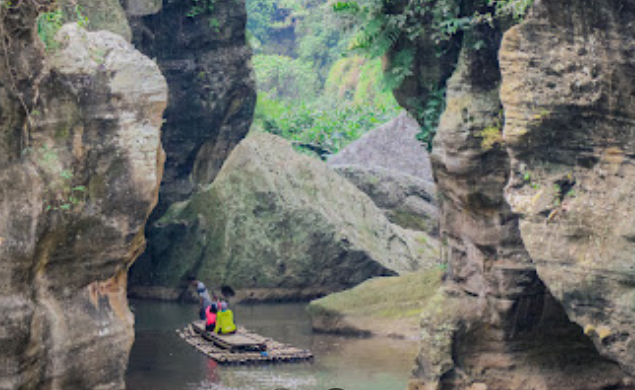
x,y
160,360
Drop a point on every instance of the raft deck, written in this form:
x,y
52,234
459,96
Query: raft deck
x,y
243,347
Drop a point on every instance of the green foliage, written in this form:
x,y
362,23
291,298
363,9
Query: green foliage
x,y
266,16
429,115
80,18
48,24
285,78
379,27
515,8
314,97
323,126
301,29
200,7
400,68
357,79
527,177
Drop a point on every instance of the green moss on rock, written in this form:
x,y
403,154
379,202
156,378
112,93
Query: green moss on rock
x,y
274,219
388,305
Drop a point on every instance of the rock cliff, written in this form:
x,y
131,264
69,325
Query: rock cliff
x,y
202,51
568,85
496,323
391,167
80,166
279,225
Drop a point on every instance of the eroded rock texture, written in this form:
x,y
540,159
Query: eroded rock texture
x,y
207,63
279,225
393,168
568,90
77,183
494,325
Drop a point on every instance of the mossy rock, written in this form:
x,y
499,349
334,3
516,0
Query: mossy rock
x,y
388,306
274,219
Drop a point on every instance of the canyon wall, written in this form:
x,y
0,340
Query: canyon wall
x,y
206,60
203,53
568,87
80,167
81,164
539,294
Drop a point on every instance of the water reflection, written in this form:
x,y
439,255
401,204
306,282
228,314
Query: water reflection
x,y
161,361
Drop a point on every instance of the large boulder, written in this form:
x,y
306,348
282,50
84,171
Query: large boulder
x,y
568,84
393,168
80,167
277,224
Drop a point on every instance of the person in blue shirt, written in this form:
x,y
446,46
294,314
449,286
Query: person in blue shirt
x,y
205,299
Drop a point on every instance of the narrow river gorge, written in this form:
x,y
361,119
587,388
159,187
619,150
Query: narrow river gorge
x,y
451,179
160,360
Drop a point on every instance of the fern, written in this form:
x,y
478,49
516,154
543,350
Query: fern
x,y
400,68
430,115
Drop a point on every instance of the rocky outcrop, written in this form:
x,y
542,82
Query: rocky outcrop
x,y
80,166
495,325
393,168
387,307
568,84
202,50
279,225
98,15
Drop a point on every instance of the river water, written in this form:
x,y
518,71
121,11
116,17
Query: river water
x,y
160,360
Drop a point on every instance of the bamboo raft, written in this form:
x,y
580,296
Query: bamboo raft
x,y
243,347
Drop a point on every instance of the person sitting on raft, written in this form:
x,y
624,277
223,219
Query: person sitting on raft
x,y
203,295
210,315
225,320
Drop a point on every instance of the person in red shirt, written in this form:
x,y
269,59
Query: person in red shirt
x,y
210,317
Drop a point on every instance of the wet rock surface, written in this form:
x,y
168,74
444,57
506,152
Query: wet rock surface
x,y
77,183
279,224
393,168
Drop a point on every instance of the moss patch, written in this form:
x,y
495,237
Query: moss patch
x,y
492,136
410,221
385,298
